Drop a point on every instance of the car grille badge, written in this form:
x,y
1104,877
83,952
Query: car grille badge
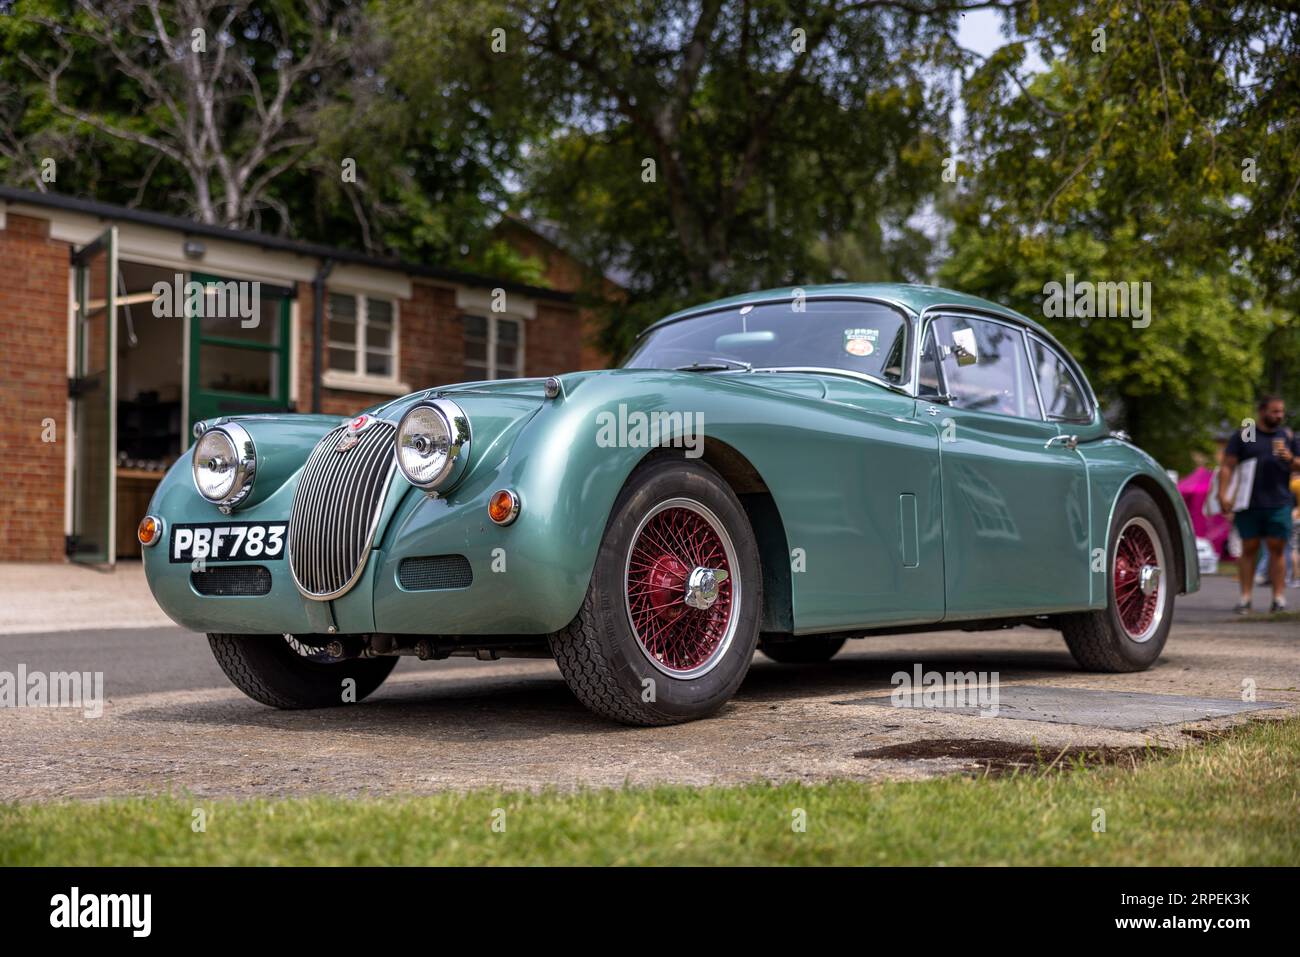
x,y
352,436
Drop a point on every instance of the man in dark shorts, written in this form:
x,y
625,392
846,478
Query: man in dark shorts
x,y
1276,452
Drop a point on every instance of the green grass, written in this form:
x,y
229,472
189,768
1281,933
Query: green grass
x,y
1233,801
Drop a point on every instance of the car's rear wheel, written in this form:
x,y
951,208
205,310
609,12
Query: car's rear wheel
x,y
289,673
669,623
1130,632
812,650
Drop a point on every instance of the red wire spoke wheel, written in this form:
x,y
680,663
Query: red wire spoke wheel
x,y
1138,579
682,588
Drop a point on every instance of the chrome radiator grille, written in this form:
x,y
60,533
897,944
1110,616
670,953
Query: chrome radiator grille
x,y
336,508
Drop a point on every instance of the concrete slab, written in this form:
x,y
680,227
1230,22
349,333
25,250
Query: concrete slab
x,y
1124,710
49,596
173,723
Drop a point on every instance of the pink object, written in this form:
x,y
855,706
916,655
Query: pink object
x,y
1195,489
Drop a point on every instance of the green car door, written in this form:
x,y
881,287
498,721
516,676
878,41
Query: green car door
x,y
1015,491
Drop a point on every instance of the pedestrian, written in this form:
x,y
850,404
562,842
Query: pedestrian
x,y
1264,455
1295,531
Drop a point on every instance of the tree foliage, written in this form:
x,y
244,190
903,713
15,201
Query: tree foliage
x,y
1151,149
704,147
708,147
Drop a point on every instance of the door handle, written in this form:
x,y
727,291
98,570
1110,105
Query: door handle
x,y
1069,441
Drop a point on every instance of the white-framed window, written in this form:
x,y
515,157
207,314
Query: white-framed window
x,y
361,339
494,347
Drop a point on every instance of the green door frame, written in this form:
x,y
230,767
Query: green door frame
x,y
208,403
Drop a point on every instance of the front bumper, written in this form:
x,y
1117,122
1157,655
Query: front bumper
x,y
521,584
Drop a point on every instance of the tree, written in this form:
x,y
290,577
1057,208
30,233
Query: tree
x,y
226,92
1124,160
706,147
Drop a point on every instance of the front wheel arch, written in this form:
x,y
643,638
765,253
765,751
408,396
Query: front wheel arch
x,y
1168,511
765,519
602,653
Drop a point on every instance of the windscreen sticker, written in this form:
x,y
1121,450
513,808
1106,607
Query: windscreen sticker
x,y
860,342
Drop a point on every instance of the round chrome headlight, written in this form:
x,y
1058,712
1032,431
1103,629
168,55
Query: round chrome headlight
x,y
224,464
432,444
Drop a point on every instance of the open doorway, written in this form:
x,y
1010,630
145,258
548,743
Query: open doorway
x,y
143,375
151,430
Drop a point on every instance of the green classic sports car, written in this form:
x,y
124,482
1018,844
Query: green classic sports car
x,y
781,470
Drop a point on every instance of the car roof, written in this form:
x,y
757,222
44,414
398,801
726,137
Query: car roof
x,y
912,297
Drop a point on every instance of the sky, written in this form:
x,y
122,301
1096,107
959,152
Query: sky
x,y
981,31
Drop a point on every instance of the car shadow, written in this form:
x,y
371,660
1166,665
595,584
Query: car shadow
x,y
861,674
483,707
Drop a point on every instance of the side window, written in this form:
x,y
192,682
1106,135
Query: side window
x,y
1062,394
928,382
986,366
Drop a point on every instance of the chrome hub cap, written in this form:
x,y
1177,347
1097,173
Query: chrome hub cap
x,y
681,590
702,586
1149,579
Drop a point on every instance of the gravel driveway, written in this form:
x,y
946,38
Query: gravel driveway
x,y
172,723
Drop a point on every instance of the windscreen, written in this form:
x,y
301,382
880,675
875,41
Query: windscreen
x,y
863,337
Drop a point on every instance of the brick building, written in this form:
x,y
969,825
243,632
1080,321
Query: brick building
x,y
121,328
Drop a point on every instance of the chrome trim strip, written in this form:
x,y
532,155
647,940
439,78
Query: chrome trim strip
x,y
1033,373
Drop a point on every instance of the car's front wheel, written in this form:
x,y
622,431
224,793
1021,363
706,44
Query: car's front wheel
x,y
289,673
1130,632
670,621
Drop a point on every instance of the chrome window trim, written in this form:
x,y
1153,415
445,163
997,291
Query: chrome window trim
x,y
1085,390
908,315
917,323
960,312
1033,374
926,325
1024,323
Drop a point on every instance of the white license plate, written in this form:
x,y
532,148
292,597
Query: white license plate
x,y
228,541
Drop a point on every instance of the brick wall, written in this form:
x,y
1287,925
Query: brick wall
x,y
554,341
432,346
33,387
564,273
33,380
